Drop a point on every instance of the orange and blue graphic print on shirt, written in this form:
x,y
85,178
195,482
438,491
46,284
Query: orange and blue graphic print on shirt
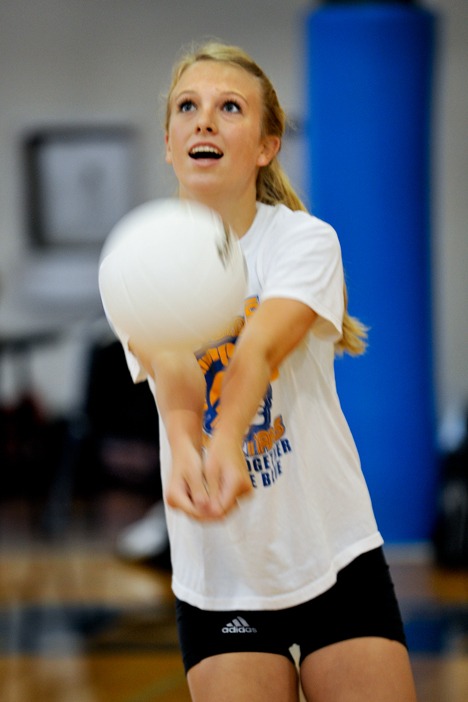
x,y
266,441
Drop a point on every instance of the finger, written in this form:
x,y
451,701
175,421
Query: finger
x,y
236,486
189,493
179,497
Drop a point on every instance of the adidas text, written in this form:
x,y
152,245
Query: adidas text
x,y
238,626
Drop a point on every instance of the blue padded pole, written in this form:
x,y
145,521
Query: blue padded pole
x,y
369,92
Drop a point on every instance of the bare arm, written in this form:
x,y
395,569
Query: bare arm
x,y
273,331
180,394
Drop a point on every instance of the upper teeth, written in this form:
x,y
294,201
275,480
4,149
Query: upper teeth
x,y
205,149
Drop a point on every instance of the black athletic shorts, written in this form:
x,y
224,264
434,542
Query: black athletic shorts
x,y
361,603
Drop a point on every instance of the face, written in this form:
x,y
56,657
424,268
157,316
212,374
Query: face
x,y
214,139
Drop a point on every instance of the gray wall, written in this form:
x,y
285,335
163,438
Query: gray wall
x,y
108,61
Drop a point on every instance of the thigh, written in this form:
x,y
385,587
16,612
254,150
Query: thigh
x,y
244,677
359,670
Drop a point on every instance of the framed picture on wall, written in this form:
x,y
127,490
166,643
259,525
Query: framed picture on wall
x,y
79,182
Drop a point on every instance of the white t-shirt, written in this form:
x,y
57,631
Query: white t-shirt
x,y
309,514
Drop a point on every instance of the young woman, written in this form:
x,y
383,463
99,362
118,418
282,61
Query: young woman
x,y
273,537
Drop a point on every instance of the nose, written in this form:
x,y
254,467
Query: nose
x,y
206,123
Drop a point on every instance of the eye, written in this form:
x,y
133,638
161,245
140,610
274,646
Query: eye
x,y
186,106
231,106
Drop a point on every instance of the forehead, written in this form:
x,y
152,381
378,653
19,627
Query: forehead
x,y
219,76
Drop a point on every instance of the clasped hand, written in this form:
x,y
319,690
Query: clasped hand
x,y
207,485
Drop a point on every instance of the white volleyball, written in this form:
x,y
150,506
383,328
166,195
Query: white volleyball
x,y
172,275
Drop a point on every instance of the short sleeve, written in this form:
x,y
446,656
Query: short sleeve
x,y
137,371
303,262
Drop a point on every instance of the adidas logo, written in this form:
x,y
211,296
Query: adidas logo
x,y
238,626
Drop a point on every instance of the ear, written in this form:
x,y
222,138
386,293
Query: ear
x,y
168,156
269,148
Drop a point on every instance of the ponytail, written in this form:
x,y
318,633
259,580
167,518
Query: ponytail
x,y
274,187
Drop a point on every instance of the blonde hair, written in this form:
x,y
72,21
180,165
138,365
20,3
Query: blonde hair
x,y
273,185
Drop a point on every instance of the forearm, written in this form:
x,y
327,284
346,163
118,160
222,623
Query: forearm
x,y
180,394
244,386
275,329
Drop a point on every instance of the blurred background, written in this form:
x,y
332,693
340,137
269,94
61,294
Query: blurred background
x,y
85,565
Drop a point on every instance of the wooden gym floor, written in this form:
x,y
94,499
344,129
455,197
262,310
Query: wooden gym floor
x,y
77,624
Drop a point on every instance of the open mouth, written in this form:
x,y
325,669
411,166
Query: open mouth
x,y
205,152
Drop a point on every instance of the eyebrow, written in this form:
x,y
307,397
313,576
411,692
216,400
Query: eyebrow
x,y
226,93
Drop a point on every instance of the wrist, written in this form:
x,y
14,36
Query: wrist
x,y
228,435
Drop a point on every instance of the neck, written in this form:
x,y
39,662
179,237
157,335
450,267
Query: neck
x,y
239,214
